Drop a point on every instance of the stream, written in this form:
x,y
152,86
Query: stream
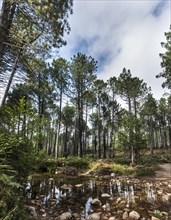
x,y
107,197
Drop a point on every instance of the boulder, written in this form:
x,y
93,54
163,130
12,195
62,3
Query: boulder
x,y
79,185
94,216
165,214
118,200
154,218
65,216
166,197
44,215
33,213
96,202
134,215
42,210
125,215
105,195
119,212
76,216
65,186
106,207
113,175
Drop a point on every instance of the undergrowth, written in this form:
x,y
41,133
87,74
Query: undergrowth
x,y
146,168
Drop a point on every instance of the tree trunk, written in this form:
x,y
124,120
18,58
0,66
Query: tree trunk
x,y
85,136
161,138
156,139
131,147
18,124
111,154
80,126
41,110
24,118
59,125
65,153
14,67
169,135
137,154
6,18
152,144
165,137
99,130
95,145
75,139
104,144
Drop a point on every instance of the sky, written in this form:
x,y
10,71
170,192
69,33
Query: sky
x,y
121,33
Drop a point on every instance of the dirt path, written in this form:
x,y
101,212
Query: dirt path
x,y
164,171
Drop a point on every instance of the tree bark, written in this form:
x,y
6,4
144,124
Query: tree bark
x,y
10,79
131,147
6,18
65,153
104,143
59,126
152,144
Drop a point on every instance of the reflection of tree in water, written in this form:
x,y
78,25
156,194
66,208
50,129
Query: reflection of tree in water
x,y
35,188
77,196
150,192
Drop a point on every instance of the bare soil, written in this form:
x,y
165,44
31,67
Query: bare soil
x,y
164,171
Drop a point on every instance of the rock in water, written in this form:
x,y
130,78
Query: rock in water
x,y
154,218
65,216
33,213
94,216
65,186
125,215
105,195
96,202
76,216
112,218
79,185
113,175
134,215
44,215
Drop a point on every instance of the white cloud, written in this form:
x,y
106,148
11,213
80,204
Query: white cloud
x,y
130,32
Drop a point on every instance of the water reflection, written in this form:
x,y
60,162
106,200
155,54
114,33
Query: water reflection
x,y
76,195
150,192
129,194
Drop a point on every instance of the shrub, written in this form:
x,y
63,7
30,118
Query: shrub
x,y
146,171
15,165
18,153
82,163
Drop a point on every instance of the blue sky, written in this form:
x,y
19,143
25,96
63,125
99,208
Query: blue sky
x,y
121,33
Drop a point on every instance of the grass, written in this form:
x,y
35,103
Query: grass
x,y
119,165
156,158
99,165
